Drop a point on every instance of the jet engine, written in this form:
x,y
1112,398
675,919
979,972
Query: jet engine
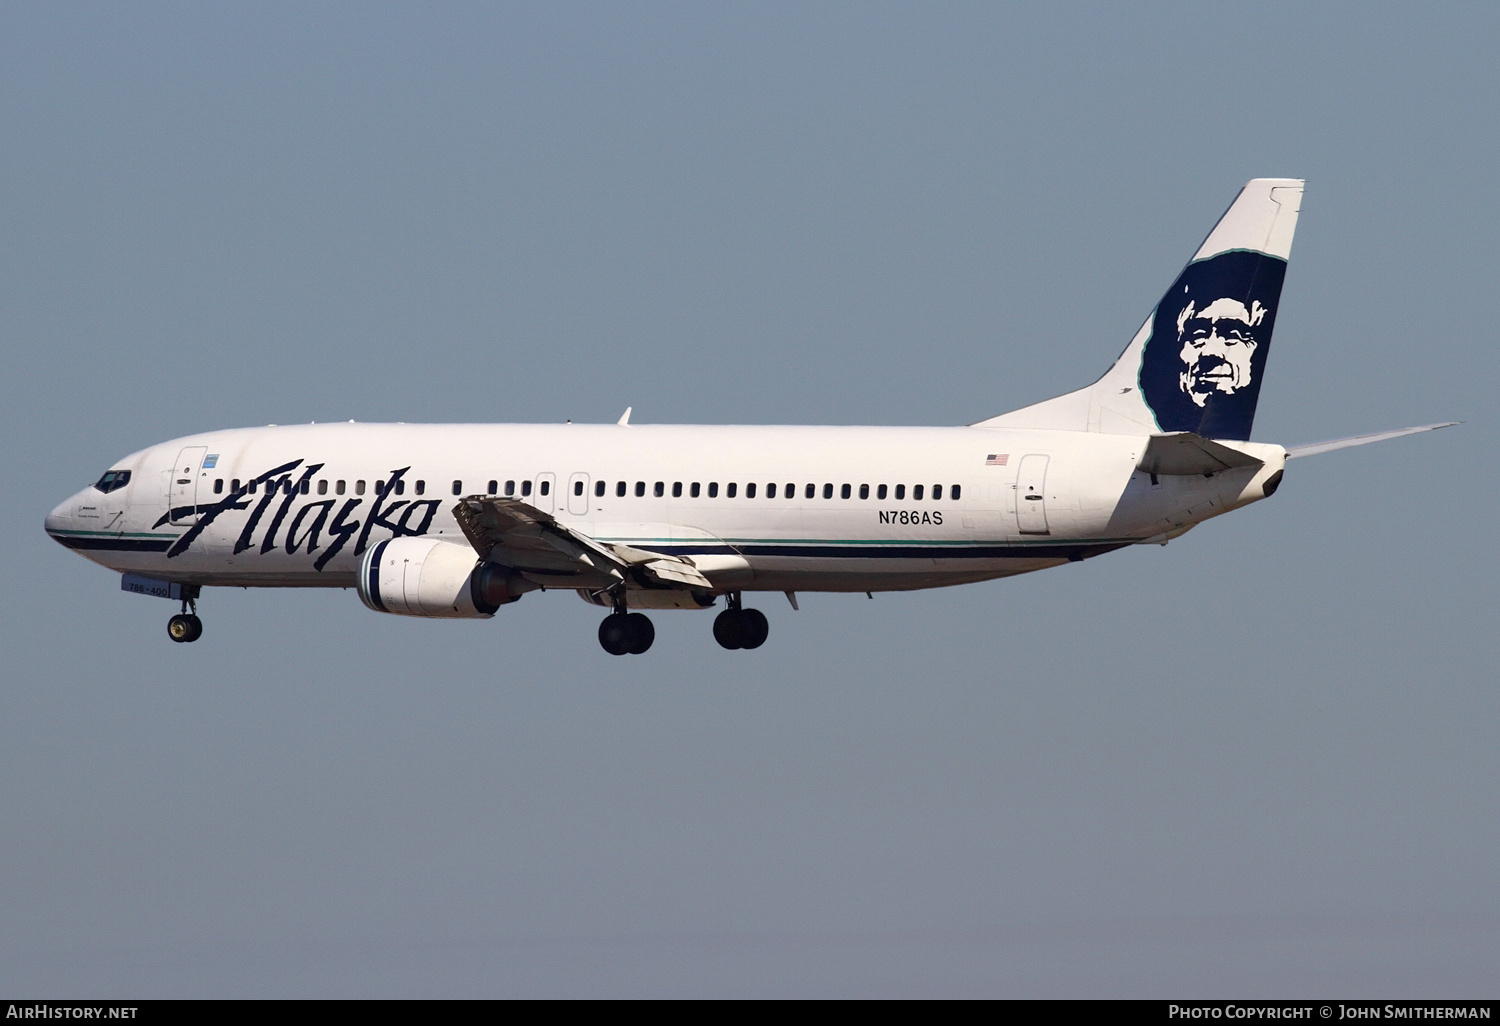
x,y
432,577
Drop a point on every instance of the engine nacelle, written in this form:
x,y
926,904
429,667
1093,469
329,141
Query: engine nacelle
x,y
432,577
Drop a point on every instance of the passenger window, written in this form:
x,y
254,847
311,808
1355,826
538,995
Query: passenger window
x,y
864,491
640,489
338,488
713,489
525,488
286,486
916,492
546,487
659,489
218,485
599,489
620,488
322,486
359,487
577,488
305,486
901,491
750,490
234,487
458,487
400,487
954,492
676,489
812,491
791,491
845,492
729,490
510,488
880,492
493,489
771,490
694,490
828,491
937,492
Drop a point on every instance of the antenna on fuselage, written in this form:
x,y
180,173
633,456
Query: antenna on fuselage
x,y
624,420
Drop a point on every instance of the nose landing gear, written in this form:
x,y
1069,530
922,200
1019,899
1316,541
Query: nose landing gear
x,y
186,626
622,633
737,627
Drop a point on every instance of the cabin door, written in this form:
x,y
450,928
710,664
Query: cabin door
x,y
182,485
1031,499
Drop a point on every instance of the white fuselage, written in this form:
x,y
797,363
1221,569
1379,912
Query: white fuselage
x,y
807,508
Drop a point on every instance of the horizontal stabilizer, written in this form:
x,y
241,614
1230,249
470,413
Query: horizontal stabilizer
x,y
1183,452
1316,448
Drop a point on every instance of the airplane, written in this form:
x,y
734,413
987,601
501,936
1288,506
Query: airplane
x,y
458,520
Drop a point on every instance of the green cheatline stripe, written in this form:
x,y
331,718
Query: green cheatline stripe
x,y
116,534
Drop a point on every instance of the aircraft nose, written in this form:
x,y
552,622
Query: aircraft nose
x,y
61,517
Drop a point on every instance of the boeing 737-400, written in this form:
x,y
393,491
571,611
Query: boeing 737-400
x,y
457,520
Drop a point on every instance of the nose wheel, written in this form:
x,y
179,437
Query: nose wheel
x,y
186,626
736,627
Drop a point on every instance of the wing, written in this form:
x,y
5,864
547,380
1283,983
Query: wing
x,y
518,535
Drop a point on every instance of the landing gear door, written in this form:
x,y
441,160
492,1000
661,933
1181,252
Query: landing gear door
x,y
1031,500
544,496
182,485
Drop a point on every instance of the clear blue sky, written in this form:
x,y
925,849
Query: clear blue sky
x,y
1261,761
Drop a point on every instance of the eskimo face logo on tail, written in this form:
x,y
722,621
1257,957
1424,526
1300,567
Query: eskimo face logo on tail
x,y
1217,345
1201,369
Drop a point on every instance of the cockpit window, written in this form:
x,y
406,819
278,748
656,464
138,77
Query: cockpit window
x,y
113,480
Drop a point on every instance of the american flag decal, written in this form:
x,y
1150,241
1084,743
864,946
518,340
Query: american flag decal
x,y
997,459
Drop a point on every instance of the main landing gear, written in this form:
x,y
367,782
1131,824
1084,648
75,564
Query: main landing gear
x,y
626,633
737,627
186,626
622,633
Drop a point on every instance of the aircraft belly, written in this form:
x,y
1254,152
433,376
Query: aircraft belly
x,y
874,573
